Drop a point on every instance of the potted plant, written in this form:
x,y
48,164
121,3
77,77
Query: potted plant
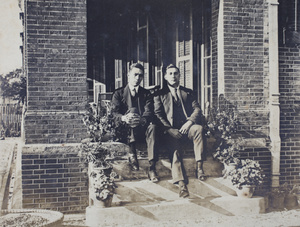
x,y
291,199
97,159
222,125
103,186
277,195
228,153
245,177
98,156
103,125
283,196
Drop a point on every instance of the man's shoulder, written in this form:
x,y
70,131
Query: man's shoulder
x,y
144,90
187,90
162,91
120,90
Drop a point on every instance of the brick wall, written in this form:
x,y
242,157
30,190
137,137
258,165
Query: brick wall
x,y
52,178
246,72
245,81
289,79
56,69
244,51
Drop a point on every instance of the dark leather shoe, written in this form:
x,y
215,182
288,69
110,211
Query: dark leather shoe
x,y
133,162
153,177
183,192
200,174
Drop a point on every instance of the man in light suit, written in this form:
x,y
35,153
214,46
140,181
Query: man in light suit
x,y
133,105
179,115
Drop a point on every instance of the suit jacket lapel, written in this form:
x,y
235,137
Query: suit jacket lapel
x,y
140,96
168,105
183,98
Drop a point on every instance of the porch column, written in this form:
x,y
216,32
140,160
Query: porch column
x,y
55,57
221,86
274,91
56,67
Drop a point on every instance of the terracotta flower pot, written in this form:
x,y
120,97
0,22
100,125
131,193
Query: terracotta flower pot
x,y
246,191
277,202
290,201
230,166
103,203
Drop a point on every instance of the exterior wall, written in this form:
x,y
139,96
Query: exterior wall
x,y
244,54
55,57
55,51
289,78
52,178
246,72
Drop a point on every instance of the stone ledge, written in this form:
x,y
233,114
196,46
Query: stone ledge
x,y
241,206
212,168
50,148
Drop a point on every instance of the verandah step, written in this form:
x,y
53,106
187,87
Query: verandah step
x,y
142,201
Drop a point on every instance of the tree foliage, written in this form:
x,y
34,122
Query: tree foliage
x,y
13,85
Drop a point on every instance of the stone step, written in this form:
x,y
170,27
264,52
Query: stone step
x,y
212,168
141,202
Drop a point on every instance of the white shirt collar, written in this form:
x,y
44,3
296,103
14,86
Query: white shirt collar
x,y
132,87
172,89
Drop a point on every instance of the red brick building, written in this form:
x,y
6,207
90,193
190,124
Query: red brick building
x,y
247,51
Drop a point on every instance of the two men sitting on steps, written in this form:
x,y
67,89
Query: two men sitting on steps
x,y
172,116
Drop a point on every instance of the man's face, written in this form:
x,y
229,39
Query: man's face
x,y
172,76
135,77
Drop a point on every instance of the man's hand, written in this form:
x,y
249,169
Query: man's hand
x,y
132,119
174,133
186,127
143,121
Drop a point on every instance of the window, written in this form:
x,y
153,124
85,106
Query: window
x,y
289,22
206,59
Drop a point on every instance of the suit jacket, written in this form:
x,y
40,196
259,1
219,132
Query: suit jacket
x,y
163,106
121,102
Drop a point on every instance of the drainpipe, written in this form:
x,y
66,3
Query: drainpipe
x,y
274,92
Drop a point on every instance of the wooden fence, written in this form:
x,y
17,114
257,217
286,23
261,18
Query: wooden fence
x,y
10,119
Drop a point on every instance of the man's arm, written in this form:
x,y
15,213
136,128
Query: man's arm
x,y
196,113
120,110
160,112
195,116
116,104
148,109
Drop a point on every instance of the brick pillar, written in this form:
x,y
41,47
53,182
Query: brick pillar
x,y
55,58
56,65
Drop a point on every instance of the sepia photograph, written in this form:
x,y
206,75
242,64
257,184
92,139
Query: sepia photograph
x,y
150,113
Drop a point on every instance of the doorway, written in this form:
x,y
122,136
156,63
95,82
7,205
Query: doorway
x,y
153,32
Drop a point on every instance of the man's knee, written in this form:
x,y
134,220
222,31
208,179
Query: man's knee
x,y
151,130
195,132
197,129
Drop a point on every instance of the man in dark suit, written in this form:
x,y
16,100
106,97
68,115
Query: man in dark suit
x,y
179,115
133,105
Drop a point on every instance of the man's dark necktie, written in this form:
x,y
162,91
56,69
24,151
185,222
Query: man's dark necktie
x,y
177,100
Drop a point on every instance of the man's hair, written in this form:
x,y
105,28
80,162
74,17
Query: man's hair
x,y
172,66
136,65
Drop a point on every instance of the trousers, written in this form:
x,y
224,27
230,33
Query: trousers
x,y
175,146
140,133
